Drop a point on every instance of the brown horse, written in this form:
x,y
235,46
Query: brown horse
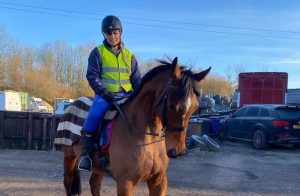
x,y
157,116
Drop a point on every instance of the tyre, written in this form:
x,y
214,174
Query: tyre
x,y
188,142
296,146
198,142
259,139
211,144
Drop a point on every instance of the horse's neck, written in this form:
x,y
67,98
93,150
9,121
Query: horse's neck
x,y
142,113
142,118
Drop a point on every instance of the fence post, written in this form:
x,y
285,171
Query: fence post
x,y
1,129
44,132
53,131
30,124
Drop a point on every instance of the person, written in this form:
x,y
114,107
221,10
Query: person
x,y
112,73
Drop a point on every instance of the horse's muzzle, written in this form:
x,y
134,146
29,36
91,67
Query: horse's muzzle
x,y
172,153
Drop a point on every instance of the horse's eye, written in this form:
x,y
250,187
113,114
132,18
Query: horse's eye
x,y
172,107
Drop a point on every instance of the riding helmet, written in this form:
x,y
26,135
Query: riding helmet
x,y
111,23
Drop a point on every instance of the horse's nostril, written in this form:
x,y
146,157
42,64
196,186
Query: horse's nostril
x,y
172,153
183,153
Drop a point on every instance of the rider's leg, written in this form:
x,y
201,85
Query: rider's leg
x,y
98,108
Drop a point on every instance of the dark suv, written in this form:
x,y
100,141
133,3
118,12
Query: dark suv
x,y
263,125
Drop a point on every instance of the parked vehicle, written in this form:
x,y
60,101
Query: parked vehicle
x,y
48,106
10,101
24,100
62,102
293,96
261,88
36,104
61,106
263,125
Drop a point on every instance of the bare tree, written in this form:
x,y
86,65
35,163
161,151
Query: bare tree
x,y
81,60
61,52
217,85
45,59
266,68
14,76
80,85
232,74
4,48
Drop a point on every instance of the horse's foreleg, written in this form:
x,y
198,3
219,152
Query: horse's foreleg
x,y
157,185
124,188
95,183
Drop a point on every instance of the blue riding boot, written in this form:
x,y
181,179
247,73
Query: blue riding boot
x,y
85,160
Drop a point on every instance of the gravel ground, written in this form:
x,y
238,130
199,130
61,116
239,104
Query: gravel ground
x,y
235,170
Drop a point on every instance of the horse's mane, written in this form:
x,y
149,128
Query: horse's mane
x,y
187,78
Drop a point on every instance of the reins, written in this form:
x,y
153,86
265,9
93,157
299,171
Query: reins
x,y
163,103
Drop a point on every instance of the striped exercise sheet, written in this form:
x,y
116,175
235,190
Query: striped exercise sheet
x,y
71,122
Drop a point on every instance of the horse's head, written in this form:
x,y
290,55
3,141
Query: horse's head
x,y
166,98
179,100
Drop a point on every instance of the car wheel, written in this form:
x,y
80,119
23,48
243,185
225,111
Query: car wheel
x,y
297,146
259,139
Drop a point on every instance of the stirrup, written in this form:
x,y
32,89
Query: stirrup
x,y
85,167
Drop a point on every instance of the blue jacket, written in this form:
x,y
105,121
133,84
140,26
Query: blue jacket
x,y
94,70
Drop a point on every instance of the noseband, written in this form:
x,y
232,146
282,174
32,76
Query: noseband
x,y
163,99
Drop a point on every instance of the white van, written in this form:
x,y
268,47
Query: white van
x,y
10,101
36,104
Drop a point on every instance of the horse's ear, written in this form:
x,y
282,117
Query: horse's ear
x,y
201,75
176,69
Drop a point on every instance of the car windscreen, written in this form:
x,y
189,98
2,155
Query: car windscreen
x,y
289,113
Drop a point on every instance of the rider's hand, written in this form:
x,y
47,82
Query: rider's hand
x,y
108,96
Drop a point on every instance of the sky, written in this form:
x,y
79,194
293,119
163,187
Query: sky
x,y
253,34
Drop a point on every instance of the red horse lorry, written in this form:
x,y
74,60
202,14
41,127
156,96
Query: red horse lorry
x,y
262,88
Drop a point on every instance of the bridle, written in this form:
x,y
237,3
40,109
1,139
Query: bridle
x,y
163,100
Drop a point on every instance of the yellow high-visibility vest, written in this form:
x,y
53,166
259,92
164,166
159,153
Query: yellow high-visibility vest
x,y
115,73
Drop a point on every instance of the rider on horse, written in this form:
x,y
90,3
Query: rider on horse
x,y
112,73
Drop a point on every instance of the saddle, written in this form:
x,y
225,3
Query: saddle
x,y
106,123
104,134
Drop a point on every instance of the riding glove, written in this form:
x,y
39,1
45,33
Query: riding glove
x,y
108,96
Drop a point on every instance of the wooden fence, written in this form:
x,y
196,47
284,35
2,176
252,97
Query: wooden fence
x,y
27,130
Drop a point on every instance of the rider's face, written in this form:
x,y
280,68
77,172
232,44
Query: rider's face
x,y
113,38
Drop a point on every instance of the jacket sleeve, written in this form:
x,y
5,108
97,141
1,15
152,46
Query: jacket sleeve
x,y
135,76
93,74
